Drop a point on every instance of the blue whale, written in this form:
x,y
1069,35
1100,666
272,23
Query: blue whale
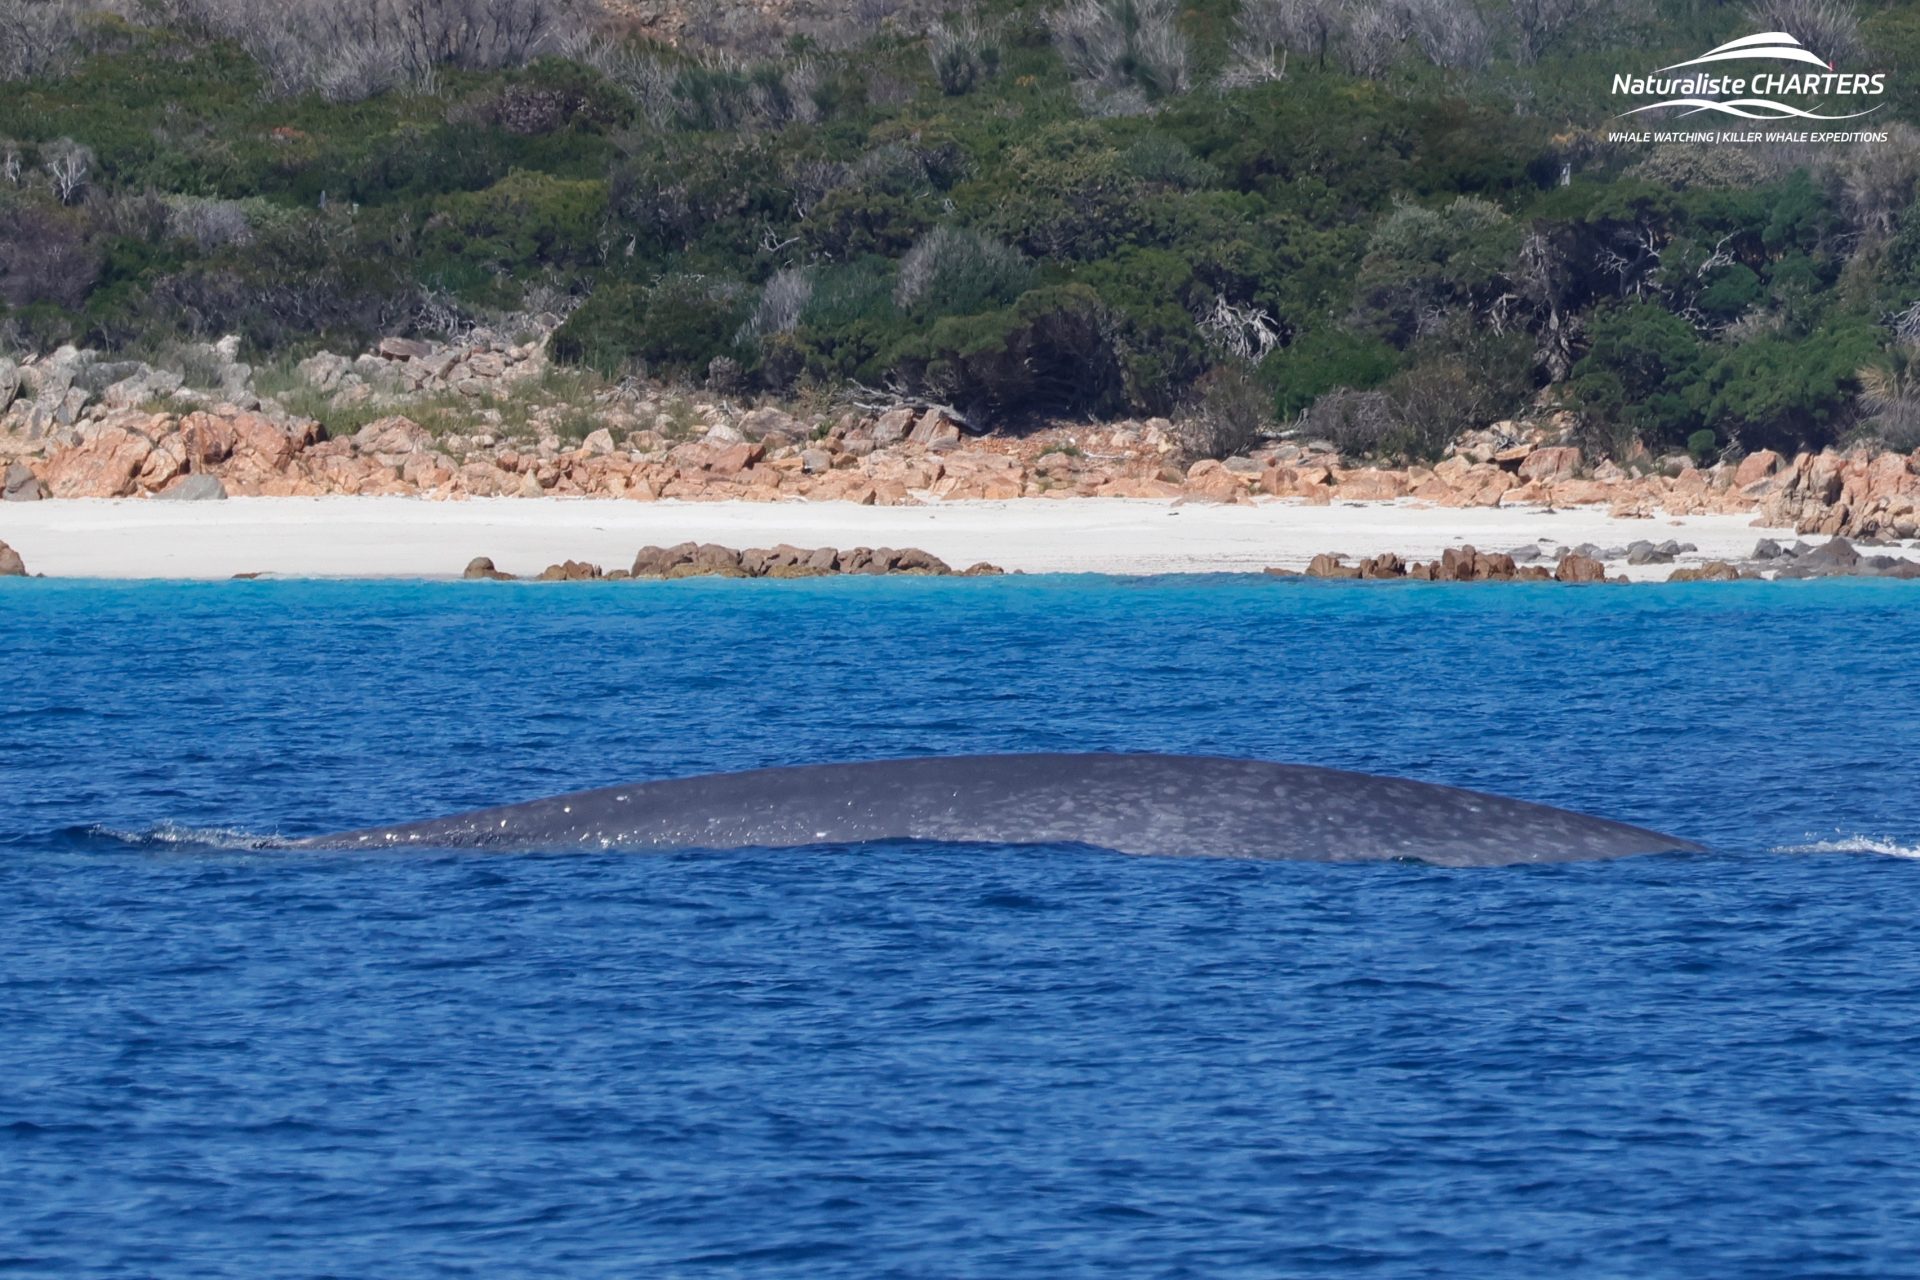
x,y
1196,806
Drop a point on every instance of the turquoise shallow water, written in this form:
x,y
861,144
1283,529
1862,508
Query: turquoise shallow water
x,y
916,1061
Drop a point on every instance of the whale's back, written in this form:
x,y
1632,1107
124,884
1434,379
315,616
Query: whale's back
x,y
1140,804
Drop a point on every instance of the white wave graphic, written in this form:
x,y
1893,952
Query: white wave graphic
x,y
1764,37
1777,46
1739,107
1854,844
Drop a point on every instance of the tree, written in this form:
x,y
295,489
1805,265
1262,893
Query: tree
x,y
1228,414
1786,393
45,257
68,165
1538,25
1641,373
963,54
1424,264
1830,28
1890,396
1120,44
36,36
348,49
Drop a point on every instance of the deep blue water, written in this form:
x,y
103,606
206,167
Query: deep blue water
x,y
218,1060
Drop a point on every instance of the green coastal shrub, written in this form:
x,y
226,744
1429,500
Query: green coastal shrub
x,y
1052,351
672,327
1151,297
1422,262
1067,194
850,325
952,271
1787,393
1322,359
472,237
1643,372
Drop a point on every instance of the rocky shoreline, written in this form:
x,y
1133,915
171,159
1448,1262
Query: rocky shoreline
x,y
711,560
75,425
1770,561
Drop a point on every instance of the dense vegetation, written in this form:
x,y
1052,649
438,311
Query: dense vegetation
x,y
1398,220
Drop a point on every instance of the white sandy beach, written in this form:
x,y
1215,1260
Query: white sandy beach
x,y
406,537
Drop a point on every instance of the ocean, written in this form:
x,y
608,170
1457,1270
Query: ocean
x,y
221,1059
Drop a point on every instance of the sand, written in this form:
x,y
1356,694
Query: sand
x,y
343,537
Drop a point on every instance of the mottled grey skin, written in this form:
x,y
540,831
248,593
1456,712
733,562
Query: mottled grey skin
x,y
1142,804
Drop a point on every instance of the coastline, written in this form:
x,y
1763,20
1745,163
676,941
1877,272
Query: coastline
x,y
401,537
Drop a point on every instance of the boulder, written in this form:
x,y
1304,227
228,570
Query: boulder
x,y
760,423
1210,481
324,371
53,376
1756,467
1556,462
148,384
658,562
1494,566
1370,485
982,570
565,571
1835,556
789,561
1468,564
1329,565
712,558
892,426
393,435
1384,565
9,382
734,459
11,565
1454,565
199,487
481,569
1575,567
403,349
167,460
103,466
20,485
101,374
934,429
1712,571
914,560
